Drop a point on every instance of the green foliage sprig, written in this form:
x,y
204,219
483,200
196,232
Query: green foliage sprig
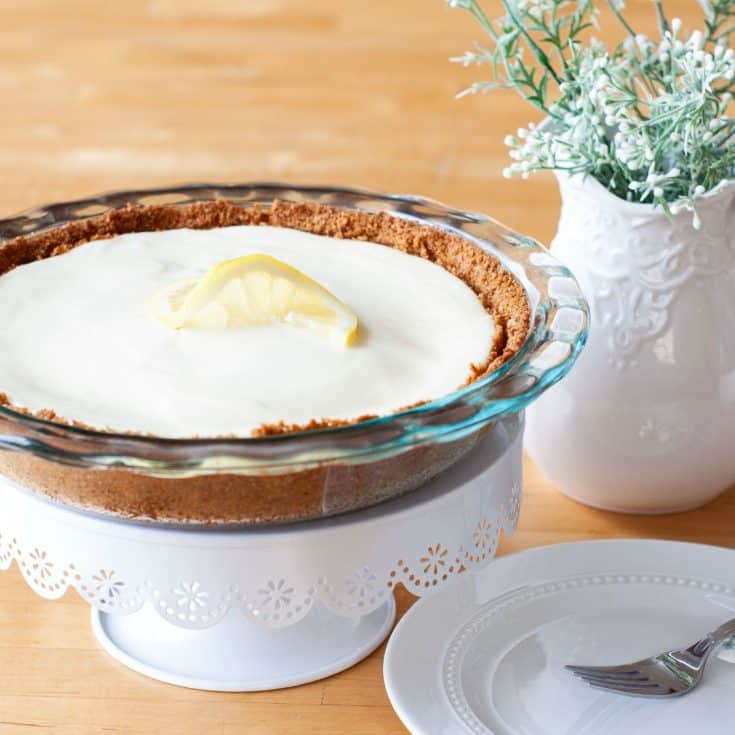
x,y
648,119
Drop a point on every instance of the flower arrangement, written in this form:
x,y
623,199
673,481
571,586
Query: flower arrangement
x,y
648,119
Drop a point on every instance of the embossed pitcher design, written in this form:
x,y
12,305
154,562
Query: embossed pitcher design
x,y
645,423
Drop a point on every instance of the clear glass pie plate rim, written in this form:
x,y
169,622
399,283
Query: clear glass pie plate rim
x,y
557,334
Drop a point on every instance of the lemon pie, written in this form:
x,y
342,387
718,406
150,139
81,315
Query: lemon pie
x,y
214,320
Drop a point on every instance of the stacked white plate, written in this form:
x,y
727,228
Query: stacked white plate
x,y
487,655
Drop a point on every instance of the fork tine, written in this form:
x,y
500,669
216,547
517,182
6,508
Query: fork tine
x,y
629,670
637,682
638,691
622,676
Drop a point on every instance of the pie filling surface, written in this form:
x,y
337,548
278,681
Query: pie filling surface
x,y
79,343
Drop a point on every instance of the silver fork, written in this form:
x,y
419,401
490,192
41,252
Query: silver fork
x,y
669,674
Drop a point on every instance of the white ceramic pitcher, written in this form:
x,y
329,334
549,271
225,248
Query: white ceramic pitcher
x,y
645,422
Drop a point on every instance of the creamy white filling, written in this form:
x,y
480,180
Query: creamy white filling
x,y
76,336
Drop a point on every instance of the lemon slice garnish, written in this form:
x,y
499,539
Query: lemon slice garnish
x,y
254,289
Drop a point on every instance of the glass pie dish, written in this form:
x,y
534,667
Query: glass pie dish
x,y
307,474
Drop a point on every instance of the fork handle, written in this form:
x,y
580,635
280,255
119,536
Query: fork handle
x,y
703,647
724,632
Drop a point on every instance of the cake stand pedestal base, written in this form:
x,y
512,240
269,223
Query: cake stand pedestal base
x,y
237,656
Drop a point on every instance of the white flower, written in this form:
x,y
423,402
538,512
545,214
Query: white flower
x,y
696,40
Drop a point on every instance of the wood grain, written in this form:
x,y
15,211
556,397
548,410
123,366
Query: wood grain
x,y
99,95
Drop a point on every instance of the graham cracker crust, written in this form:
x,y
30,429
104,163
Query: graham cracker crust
x,y
300,495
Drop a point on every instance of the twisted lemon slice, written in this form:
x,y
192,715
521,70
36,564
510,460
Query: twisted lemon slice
x,y
254,289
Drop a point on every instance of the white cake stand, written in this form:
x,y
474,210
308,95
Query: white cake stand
x,y
253,609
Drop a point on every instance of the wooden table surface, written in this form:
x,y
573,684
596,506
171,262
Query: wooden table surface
x,y
97,95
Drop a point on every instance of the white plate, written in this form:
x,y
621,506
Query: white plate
x,y
486,655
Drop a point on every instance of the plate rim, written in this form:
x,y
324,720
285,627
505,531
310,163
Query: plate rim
x,y
427,607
